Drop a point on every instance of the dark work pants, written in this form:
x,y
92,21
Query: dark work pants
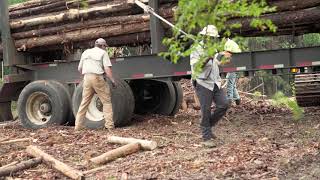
x,y
209,119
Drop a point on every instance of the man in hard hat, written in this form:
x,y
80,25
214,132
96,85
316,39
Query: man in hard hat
x,y
207,85
232,92
94,63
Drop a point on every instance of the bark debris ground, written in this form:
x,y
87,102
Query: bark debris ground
x,y
257,146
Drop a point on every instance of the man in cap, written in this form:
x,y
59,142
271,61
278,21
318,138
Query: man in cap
x,y
232,92
207,85
94,63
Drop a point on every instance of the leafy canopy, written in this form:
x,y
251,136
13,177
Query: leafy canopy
x,y
192,15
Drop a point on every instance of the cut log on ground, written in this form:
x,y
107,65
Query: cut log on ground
x,y
145,144
15,141
8,170
52,162
116,153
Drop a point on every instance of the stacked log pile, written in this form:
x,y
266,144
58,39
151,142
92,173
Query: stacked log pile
x,y
56,23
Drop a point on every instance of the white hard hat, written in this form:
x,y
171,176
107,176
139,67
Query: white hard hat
x,y
232,46
100,41
210,30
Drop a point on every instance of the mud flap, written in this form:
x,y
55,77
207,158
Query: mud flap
x,y
5,112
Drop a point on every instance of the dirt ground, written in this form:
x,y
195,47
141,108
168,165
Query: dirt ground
x,y
271,146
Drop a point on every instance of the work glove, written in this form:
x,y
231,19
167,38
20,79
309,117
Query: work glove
x,y
114,84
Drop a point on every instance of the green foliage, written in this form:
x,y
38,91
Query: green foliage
x,y
287,45
16,1
279,99
192,15
311,39
84,4
257,95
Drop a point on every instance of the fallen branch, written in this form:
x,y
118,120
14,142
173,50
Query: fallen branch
x,y
145,144
116,153
15,141
255,87
56,164
92,171
9,169
252,94
10,164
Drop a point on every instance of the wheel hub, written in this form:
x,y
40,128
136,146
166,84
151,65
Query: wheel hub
x,y
38,108
45,108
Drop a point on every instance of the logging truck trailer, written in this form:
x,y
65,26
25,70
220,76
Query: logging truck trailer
x,y
50,92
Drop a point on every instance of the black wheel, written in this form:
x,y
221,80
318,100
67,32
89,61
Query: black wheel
x,y
43,103
94,118
179,97
129,103
153,96
70,119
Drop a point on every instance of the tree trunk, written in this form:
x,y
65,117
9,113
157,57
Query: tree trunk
x,y
83,34
133,39
8,170
283,20
116,153
145,144
291,5
30,4
165,12
52,7
72,14
52,162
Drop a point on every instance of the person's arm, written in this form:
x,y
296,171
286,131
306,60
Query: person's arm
x,y
107,68
81,63
225,54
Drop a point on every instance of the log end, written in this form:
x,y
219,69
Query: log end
x,y
151,146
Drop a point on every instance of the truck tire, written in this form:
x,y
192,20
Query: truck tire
x,y
179,97
70,119
129,103
43,103
152,96
94,118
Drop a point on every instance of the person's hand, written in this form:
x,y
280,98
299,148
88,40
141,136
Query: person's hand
x,y
227,54
114,84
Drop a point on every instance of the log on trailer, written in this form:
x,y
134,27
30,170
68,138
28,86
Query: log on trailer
x,y
72,14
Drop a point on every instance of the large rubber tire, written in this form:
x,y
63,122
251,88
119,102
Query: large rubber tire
x,y
70,119
120,99
49,95
179,97
129,103
152,96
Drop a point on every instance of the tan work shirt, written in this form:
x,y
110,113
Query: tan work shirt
x,y
93,61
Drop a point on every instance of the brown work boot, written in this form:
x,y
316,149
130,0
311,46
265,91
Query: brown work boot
x,y
238,102
213,142
79,128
